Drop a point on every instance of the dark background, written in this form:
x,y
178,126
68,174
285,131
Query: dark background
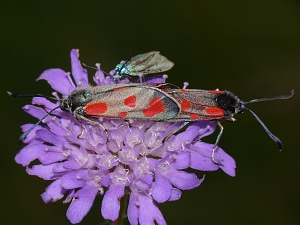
x,y
251,48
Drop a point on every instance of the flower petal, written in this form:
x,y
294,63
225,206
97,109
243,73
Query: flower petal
x,y
110,204
35,111
149,212
183,160
162,188
82,203
54,192
228,163
206,128
59,80
201,157
49,137
79,74
43,171
183,180
155,79
175,195
29,153
133,209
72,180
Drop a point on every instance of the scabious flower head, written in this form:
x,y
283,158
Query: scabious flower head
x,y
132,159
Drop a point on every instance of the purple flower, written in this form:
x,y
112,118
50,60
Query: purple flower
x,y
132,159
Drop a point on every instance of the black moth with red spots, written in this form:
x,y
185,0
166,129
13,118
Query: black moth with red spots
x,y
156,102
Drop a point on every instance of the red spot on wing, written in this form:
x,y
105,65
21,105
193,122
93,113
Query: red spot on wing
x,y
120,88
122,114
156,106
194,116
96,109
184,90
215,91
215,111
130,101
185,105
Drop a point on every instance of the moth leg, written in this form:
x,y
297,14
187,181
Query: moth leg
x,y
182,127
216,143
92,122
128,124
80,125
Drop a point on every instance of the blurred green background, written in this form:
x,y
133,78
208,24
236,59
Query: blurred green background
x,y
251,48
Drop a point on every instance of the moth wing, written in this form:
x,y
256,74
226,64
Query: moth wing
x,y
151,62
165,86
196,105
141,102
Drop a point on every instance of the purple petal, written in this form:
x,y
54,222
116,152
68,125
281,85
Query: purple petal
x,y
71,164
206,128
227,164
141,185
79,74
35,111
175,195
162,188
44,102
56,127
43,171
155,79
106,180
183,160
31,136
99,75
149,212
73,180
110,204
46,154
51,157
133,210
29,153
53,192
59,80
183,180
82,203
59,168
185,137
47,136
201,157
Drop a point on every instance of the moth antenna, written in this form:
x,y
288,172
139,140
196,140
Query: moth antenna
x,y
130,57
274,138
24,135
29,95
94,68
286,96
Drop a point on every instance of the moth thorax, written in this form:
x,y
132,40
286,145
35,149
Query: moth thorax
x,y
77,98
229,102
64,104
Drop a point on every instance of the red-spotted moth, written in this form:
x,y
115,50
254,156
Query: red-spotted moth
x,y
147,63
156,102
